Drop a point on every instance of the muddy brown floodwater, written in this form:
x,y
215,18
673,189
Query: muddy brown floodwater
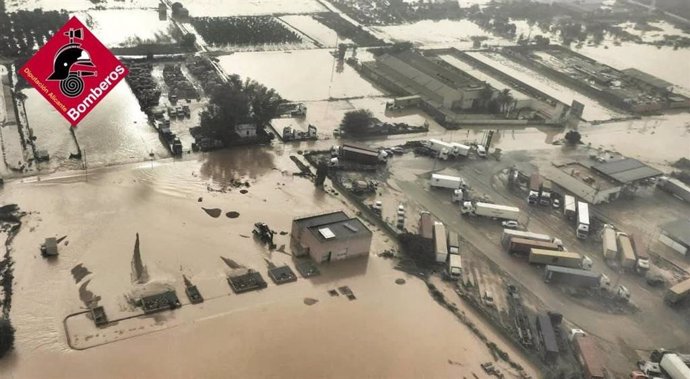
x,y
388,331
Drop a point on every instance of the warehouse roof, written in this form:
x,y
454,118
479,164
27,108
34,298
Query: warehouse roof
x,y
321,219
678,230
627,170
649,79
339,230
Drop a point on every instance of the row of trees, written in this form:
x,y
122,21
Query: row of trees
x,y
490,101
23,31
244,30
237,102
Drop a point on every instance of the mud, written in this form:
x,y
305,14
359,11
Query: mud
x,y
213,212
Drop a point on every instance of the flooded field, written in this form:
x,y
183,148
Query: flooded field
x,y
78,5
315,30
250,335
306,75
225,8
593,109
478,74
443,33
143,26
663,62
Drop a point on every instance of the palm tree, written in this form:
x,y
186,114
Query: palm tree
x,y
505,100
485,95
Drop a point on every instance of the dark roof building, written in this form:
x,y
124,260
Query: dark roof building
x,y
676,235
330,236
627,170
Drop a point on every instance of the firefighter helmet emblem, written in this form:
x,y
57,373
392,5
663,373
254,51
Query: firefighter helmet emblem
x,y
71,63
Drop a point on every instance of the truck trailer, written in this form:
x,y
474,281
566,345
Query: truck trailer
x,y
609,243
673,366
404,102
534,187
569,207
446,181
675,187
677,293
575,277
440,242
443,150
502,212
524,246
626,252
642,259
556,258
460,150
590,357
454,266
508,234
582,229
453,243
360,154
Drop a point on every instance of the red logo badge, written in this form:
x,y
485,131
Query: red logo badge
x,y
73,71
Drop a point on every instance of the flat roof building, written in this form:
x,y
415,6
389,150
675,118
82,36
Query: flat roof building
x,y
584,182
676,235
627,170
330,236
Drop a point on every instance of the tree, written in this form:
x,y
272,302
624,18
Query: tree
x,y
485,96
188,40
6,336
573,137
356,122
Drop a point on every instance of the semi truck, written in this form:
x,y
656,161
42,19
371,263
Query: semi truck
x,y
642,259
360,154
677,293
674,367
453,243
502,212
404,102
626,252
675,187
440,242
458,196
446,181
460,150
534,186
524,246
443,150
508,234
575,277
545,194
559,258
454,266
582,230
609,243
569,207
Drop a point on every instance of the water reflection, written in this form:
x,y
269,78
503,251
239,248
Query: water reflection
x,y
225,166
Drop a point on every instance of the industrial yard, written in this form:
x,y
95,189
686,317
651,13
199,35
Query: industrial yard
x,y
352,188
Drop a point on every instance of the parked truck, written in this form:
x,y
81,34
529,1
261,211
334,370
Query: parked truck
x,y
442,150
359,154
446,181
458,196
675,187
559,258
460,150
674,367
582,230
575,277
502,212
609,243
569,207
404,102
440,242
626,252
641,258
453,243
524,246
509,234
534,186
454,266
545,194
677,293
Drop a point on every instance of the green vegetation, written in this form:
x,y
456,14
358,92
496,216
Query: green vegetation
x,y
259,30
389,12
357,122
23,32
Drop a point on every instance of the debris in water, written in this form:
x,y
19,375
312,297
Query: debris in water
x,y
244,236
213,212
400,281
79,272
283,233
200,199
232,264
232,214
87,297
243,191
310,301
139,272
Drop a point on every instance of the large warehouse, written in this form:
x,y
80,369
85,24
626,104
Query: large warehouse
x,y
330,237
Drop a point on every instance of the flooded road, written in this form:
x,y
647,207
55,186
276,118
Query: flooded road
x,y
391,330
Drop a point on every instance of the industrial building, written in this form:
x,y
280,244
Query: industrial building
x,y
604,182
676,235
330,237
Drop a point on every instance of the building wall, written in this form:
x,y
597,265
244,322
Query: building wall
x,y
338,248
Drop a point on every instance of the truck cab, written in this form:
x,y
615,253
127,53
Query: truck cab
x,y
467,208
481,151
458,196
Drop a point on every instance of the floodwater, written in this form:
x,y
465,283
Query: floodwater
x,y
593,109
226,8
77,5
143,26
480,75
437,34
389,331
305,75
322,34
663,62
116,131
